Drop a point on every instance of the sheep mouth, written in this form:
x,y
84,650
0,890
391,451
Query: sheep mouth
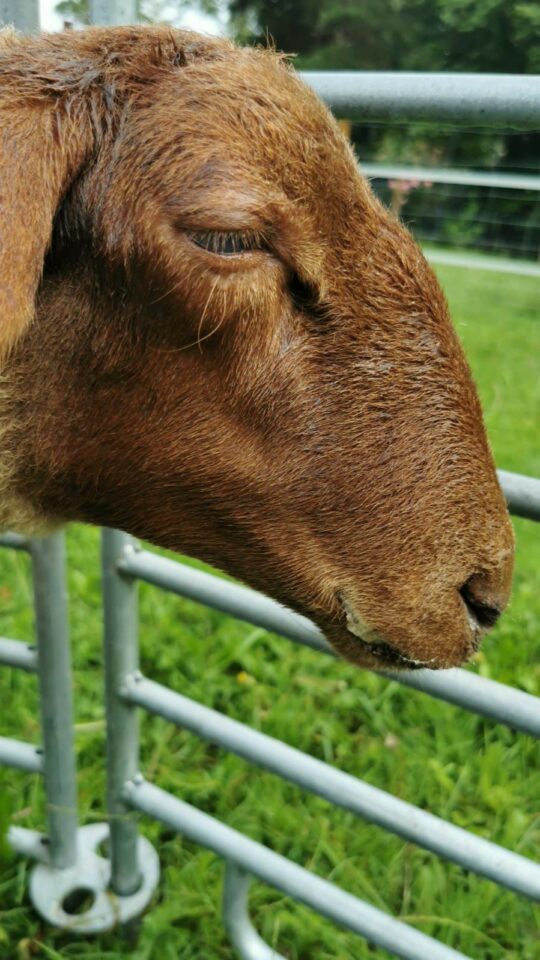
x,y
386,654
389,656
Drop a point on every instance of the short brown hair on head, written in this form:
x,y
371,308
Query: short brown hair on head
x,y
215,337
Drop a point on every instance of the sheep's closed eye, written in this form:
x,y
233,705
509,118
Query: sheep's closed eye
x,y
238,243
228,243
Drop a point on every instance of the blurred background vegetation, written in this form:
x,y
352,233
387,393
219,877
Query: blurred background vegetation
x,y
489,36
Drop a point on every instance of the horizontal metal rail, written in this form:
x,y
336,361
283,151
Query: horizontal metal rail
x,y
397,816
29,843
14,653
489,698
467,178
522,494
494,99
22,756
502,703
14,541
473,261
230,598
295,881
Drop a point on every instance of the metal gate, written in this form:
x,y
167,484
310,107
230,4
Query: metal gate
x,y
123,877
71,858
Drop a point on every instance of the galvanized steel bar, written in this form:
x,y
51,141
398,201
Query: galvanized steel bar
x,y
29,843
397,816
343,908
23,14
22,756
14,541
121,658
451,175
514,708
111,12
510,100
236,920
498,701
14,653
54,672
493,264
522,494
240,602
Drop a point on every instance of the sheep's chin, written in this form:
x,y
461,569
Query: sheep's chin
x,y
374,644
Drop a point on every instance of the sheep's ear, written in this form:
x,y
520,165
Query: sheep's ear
x,y
39,157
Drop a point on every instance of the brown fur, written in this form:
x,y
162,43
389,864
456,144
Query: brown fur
x,y
302,415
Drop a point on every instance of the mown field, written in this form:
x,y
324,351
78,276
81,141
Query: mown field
x,y
475,773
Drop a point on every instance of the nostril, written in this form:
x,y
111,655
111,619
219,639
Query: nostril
x,y
485,614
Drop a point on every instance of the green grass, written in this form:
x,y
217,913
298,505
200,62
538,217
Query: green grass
x,y
479,775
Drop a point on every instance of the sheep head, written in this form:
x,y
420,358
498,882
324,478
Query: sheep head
x,y
217,339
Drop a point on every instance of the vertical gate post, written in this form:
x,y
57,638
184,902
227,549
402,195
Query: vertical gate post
x,y
70,860
54,673
23,14
121,660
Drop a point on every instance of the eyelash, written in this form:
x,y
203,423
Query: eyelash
x,y
228,244
235,243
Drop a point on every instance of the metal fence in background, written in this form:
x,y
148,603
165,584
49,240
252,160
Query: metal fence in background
x,y
479,219
71,859
490,216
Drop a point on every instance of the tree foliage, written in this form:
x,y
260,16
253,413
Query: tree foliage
x,y
148,11
476,35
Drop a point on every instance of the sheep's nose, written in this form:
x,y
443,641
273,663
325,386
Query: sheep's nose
x,y
485,597
485,614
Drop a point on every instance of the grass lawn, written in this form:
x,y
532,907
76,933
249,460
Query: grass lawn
x,y
478,775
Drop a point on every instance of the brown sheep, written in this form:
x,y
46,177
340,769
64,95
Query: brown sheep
x,y
214,337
